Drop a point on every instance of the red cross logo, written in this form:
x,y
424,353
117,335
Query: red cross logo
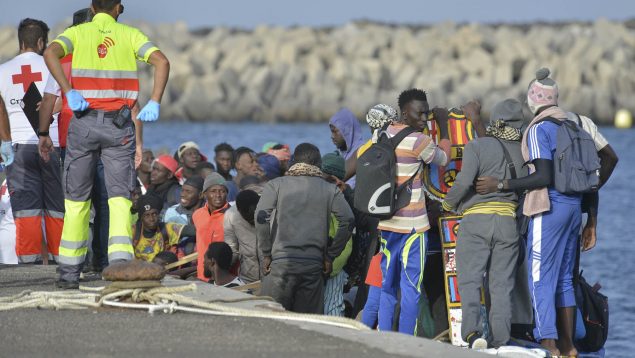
x,y
26,77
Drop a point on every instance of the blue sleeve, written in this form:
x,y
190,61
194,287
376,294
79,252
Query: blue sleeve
x,y
539,142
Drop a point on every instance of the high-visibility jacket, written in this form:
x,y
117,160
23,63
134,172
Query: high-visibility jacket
x,y
104,67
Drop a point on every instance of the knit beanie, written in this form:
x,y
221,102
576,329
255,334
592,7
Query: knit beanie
x,y
509,111
195,182
214,179
149,201
185,146
542,92
334,164
379,115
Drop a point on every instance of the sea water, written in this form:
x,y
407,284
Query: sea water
x,y
611,262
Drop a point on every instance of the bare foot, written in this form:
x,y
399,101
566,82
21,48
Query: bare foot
x,y
569,352
550,345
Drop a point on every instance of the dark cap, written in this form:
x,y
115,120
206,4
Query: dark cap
x,y
195,182
148,202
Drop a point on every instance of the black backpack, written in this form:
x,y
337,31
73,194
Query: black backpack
x,y
376,190
594,307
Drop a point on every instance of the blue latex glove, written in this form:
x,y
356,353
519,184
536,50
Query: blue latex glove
x,y
76,101
7,153
150,112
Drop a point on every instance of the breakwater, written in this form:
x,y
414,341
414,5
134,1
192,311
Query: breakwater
x,y
306,74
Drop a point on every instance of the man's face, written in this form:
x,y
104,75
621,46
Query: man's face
x,y
146,162
337,138
150,219
189,196
415,114
216,196
247,164
223,161
159,174
190,158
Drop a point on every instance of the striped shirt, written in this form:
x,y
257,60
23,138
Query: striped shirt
x,y
413,151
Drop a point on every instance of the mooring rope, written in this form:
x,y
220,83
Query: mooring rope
x,y
153,297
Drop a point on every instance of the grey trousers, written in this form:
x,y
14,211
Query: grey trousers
x,y
297,286
487,239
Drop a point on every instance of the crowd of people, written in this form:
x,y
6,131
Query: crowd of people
x,y
286,217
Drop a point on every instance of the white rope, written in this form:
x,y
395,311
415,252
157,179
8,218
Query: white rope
x,y
159,299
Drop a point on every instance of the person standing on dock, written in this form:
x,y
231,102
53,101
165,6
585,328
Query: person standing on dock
x,y
292,231
106,87
403,236
488,239
34,184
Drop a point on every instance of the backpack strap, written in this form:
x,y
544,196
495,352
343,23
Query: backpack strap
x,y
550,119
508,159
397,138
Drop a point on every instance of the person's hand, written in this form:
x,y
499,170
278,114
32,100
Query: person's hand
x,y
76,101
340,184
266,264
434,210
6,150
472,111
486,185
45,147
138,156
328,267
150,112
440,115
37,106
589,236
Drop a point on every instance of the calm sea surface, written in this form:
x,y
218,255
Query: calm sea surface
x,y
611,262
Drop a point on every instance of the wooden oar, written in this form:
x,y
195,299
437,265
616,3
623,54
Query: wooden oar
x,y
183,261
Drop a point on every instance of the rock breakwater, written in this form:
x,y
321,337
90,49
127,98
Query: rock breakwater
x,y
306,74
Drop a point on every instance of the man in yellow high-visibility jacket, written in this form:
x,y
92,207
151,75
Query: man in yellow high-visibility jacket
x,y
105,88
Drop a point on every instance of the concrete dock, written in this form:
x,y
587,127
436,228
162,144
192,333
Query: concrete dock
x,y
110,332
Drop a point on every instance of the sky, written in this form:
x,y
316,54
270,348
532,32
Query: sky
x,y
249,14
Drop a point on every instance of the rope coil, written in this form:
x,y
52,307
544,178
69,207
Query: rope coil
x,y
159,299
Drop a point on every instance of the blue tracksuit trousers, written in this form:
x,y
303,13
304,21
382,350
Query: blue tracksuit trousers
x,y
402,268
551,247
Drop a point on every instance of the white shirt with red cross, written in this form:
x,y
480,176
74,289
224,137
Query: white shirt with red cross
x,y
16,76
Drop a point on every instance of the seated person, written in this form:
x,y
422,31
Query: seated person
x,y
151,235
240,235
218,260
208,220
163,183
191,199
189,156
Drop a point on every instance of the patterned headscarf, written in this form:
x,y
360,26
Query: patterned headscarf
x,y
379,115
